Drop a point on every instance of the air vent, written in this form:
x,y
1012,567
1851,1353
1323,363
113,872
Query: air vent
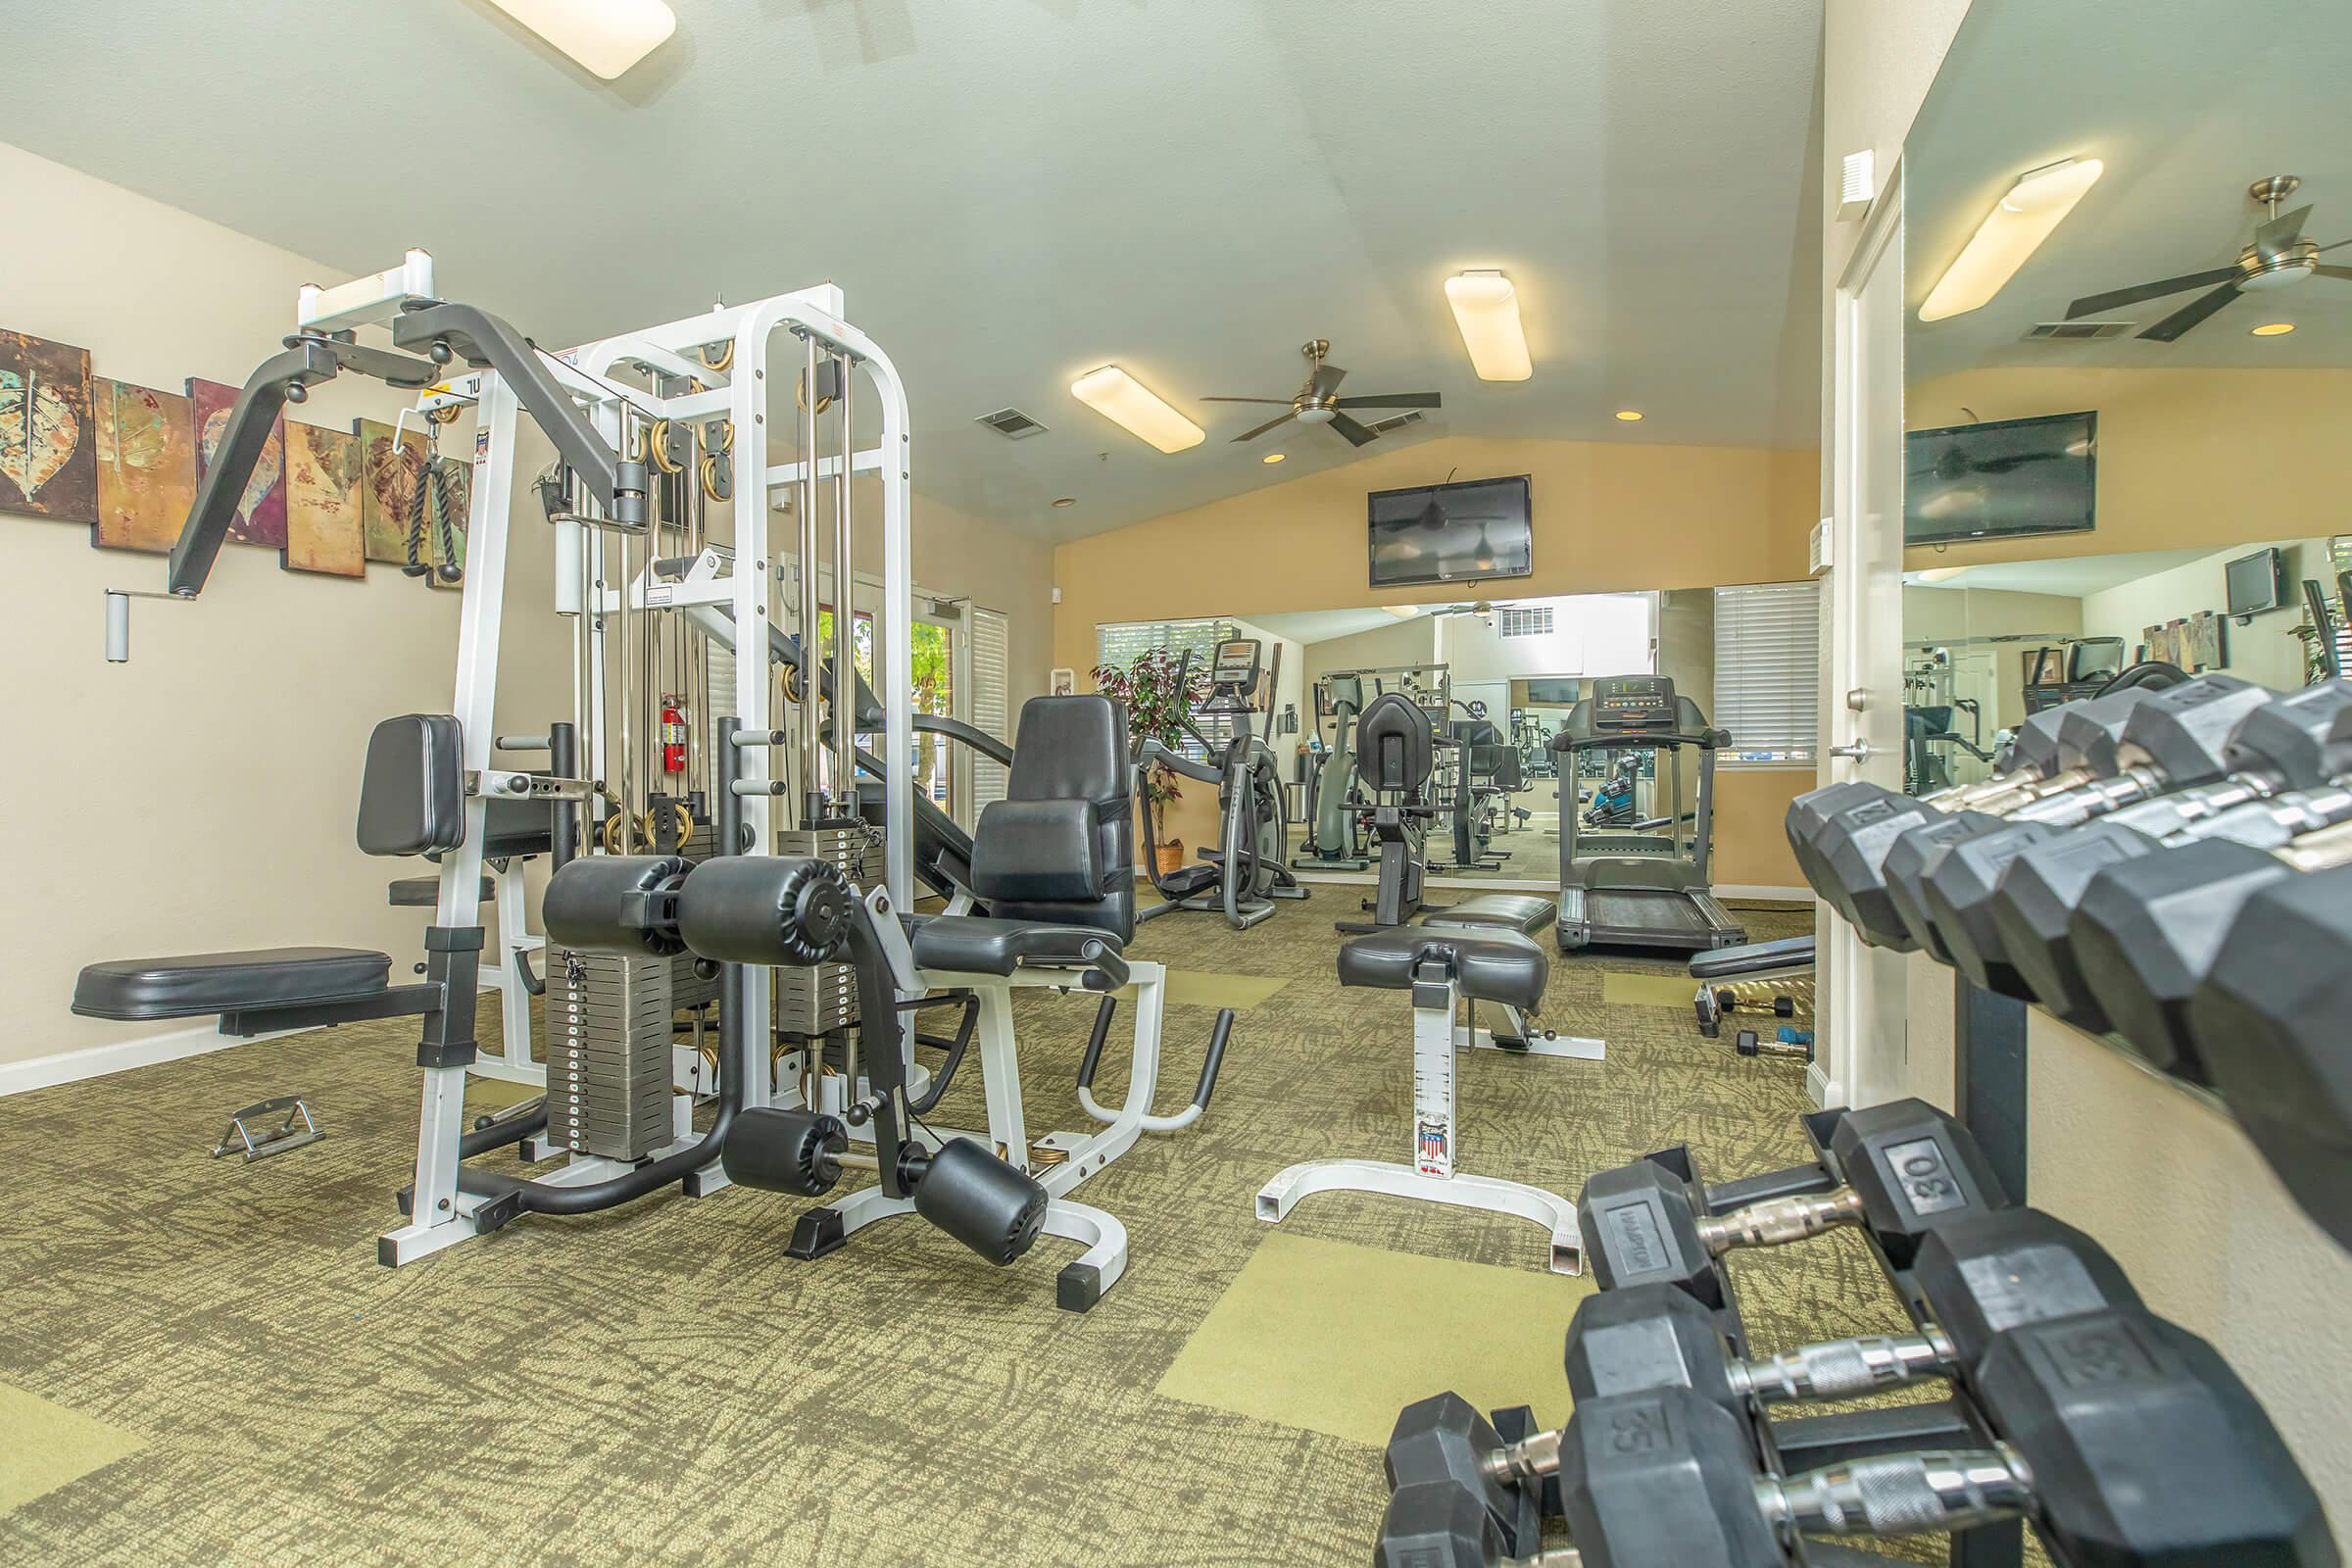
x,y
1012,424
2081,331
1522,620
1396,420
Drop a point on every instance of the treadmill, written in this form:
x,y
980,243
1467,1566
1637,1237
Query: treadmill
x,y
1644,886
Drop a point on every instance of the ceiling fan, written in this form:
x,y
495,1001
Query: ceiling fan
x,y
2279,258
1318,402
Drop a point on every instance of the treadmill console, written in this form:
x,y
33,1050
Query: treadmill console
x,y
1633,703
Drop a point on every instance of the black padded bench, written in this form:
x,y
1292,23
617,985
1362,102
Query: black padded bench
x,y
192,985
1753,958
1524,913
1770,978
1495,965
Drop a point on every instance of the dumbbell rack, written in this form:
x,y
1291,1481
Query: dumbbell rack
x,y
1788,1444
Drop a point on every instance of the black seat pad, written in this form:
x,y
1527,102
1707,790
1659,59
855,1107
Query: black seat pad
x,y
198,983
1524,913
424,892
1754,957
973,944
1494,966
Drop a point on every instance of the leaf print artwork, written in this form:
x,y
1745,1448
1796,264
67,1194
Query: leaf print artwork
x,y
146,443
261,517
48,460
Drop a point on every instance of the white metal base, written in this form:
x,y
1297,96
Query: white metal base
x,y
1555,1213
1579,1047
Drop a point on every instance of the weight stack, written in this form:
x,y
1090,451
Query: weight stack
x,y
820,999
607,1060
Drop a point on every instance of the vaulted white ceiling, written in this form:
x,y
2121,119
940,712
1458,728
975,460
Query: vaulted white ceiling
x,y
2186,102
1015,191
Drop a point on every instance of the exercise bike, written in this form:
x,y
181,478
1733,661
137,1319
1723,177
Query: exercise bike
x,y
1246,872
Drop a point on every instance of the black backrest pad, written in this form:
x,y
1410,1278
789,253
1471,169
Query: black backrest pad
x,y
413,794
1068,748
1394,747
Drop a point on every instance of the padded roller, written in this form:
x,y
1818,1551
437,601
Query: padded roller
x,y
599,903
777,1151
765,910
982,1201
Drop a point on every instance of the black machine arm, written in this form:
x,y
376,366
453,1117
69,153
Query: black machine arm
x,y
480,338
284,377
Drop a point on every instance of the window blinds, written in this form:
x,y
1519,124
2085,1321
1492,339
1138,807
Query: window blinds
x,y
991,701
1768,671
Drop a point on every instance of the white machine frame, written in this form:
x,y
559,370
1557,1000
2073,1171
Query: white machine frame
x,y
441,1216
1440,1030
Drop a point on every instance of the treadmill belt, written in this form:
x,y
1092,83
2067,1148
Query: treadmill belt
x,y
1643,908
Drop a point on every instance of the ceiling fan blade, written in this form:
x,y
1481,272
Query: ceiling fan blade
x,y
2188,316
1395,400
2274,237
1283,401
1326,380
2092,304
2332,271
1355,433
2337,245
1252,436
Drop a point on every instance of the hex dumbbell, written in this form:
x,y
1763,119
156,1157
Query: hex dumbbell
x,y
2177,763
1441,1523
1906,1166
2146,933
2270,1024
2126,1439
1979,1276
1444,1438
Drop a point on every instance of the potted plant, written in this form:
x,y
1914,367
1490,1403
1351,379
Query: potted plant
x,y
1157,698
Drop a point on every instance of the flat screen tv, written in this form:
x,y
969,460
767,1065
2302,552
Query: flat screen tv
x,y
2002,478
2256,582
1552,693
1450,532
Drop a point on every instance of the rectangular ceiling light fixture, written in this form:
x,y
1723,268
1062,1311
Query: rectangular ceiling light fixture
x,y
1134,407
606,36
2012,232
1487,308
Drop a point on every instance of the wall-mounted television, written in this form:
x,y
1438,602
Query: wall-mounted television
x,y
1460,532
2002,478
2256,582
1552,693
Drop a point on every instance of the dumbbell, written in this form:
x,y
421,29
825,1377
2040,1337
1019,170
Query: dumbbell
x,y
1440,1523
1444,1438
2270,1022
2178,764
1978,1277
1906,1168
2034,902
1844,841
2126,1439
2146,933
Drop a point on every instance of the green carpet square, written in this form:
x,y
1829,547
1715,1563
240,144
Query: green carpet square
x,y
1620,989
1338,1338
43,1445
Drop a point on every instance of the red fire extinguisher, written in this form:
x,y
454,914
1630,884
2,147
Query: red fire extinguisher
x,y
673,735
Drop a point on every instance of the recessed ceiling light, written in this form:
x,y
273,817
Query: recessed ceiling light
x,y
607,36
1065,501
1485,306
2274,329
1272,457
1134,407
1630,415
2011,232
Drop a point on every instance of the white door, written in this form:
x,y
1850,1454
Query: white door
x,y
1865,1063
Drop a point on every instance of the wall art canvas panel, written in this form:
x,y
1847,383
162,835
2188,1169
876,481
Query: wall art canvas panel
x,y
261,517
322,502
2206,643
460,518
388,488
146,448
48,451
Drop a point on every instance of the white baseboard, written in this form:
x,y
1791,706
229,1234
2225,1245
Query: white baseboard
x,y
1763,890
1824,1090
96,1061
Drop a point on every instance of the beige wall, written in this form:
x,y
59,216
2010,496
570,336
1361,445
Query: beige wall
x,y
2174,465
205,792
1607,517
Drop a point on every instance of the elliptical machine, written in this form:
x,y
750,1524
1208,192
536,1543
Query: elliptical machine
x,y
1246,872
1333,818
